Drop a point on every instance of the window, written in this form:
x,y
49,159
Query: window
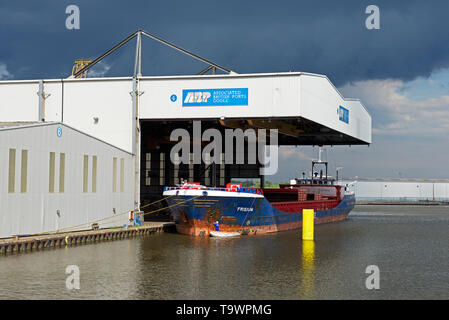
x,y
51,178
161,169
114,175
122,175
12,170
222,170
85,172
24,171
148,169
94,174
61,172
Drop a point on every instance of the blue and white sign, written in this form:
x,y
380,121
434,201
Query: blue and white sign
x,y
173,97
59,132
215,97
343,114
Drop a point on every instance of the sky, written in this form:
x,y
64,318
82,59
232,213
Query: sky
x,y
400,72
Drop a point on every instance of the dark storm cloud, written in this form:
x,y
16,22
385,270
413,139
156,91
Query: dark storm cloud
x,y
326,37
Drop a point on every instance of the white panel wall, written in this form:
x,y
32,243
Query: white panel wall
x,y
53,103
320,101
395,190
268,96
19,101
441,190
109,100
78,101
36,210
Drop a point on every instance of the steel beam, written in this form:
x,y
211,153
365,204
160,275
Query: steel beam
x,y
171,45
138,59
104,55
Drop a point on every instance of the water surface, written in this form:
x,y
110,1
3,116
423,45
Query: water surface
x,y
409,244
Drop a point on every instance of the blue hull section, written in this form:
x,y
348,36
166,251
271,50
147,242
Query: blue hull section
x,y
199,215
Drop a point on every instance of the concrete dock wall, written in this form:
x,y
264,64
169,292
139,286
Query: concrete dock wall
x,y
27,244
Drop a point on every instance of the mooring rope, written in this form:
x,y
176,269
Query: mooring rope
x,y
145,213
69,229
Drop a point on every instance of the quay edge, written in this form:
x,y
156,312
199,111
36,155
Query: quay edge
x,y
30,243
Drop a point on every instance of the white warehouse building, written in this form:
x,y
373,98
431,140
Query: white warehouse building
x,y
82,149
399,189
54,177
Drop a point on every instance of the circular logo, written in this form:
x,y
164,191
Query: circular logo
x,y
59,131
173,97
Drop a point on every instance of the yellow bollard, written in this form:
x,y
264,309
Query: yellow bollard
x,y
308,216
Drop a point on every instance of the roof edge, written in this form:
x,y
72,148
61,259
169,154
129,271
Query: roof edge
x,y
41,124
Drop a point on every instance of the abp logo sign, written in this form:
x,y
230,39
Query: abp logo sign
x,y
343,114
197,97
215,97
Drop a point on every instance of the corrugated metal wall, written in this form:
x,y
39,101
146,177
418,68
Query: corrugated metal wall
x,y
41,181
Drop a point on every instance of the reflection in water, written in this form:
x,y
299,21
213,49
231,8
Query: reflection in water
x,y
308,269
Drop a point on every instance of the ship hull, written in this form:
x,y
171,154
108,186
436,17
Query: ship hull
x,y
198,215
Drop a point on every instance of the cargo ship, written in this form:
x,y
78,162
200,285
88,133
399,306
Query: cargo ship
x,y
204,211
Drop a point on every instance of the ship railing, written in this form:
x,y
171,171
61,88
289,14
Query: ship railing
x,y
242,190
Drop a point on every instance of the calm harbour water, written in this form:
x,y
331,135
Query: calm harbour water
x,y
409,244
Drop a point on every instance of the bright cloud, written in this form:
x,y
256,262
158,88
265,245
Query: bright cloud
x,y
4,73
99,70
398,114
286,152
